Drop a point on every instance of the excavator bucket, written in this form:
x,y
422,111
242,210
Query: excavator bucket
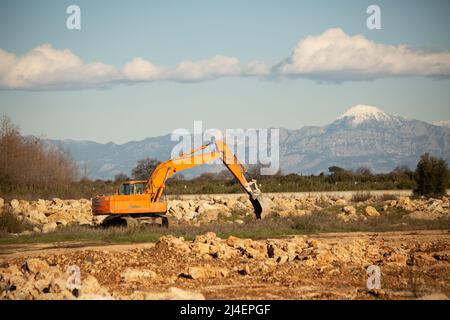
x,y
257,207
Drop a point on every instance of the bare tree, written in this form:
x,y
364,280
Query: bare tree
x,y
364,171
121,177
144,168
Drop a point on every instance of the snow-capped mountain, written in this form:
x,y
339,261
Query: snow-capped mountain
x,y
363,113
362,136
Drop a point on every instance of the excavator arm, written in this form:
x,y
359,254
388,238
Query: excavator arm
x,y
156,183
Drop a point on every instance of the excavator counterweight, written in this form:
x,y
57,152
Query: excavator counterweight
x,y
138,199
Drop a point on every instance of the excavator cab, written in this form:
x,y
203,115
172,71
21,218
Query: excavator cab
x,y
131,188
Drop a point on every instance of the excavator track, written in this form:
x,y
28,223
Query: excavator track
x,y
136,221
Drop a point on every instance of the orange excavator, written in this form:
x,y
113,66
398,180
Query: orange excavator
x,y
141,200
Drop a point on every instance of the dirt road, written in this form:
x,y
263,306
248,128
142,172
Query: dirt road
x,y
327,266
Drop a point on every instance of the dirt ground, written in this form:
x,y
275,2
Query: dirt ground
x,y
413,265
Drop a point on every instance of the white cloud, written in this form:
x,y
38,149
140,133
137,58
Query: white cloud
x,y
332,56
139,69
336,56
218,66
257,68
45,67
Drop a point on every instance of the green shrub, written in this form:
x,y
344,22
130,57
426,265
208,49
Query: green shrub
x,y
10,223
431,176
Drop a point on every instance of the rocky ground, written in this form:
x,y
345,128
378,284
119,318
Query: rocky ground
x,y
48,215
414,265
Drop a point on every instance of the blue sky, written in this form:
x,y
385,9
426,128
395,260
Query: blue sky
x,y
165,33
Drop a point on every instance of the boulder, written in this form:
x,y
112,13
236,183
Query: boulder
x,y
210,216
235,242
36,217
323,256
349,210
57,202
189,215
281,204
276,253
41,205
200,249
340,202
211,212
15,205
348,214
287,250
399,259
137,275
210,244
205,207
49,227
61,217
251,249
406,204
205,272
34,265
173,243
92,290
11,271
24,205
371,212
436,206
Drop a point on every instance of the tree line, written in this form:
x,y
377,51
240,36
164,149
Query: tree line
x,y
29,165
430,178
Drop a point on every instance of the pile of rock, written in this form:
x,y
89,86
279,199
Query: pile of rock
x,y
47,215
300,249
35,279
209,246
208,210
55,210
422,208
427,209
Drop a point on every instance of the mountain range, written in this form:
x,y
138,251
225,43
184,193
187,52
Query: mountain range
x,y
364,136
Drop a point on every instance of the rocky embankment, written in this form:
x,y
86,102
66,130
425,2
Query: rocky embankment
x,y
299,267
48,215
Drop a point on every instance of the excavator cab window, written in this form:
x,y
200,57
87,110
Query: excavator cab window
x,y
125,189
132,188
138,188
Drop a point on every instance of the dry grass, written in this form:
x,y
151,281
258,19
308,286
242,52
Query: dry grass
x,y
361,196
271,227
386,197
